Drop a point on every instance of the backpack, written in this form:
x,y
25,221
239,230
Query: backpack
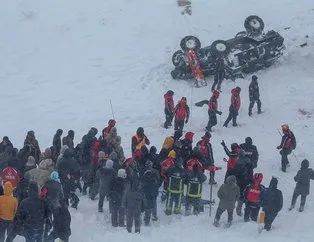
x,y
293,141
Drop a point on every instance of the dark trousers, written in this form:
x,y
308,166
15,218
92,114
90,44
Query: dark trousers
x,y
284,159
102,196
294,199
173,199
269,218
192,202
5,226
220,211
54,235
178,125
259,105
169,118
212,120
251,211
218,78
232,115
117,216
133,216
150,212
74,200
34,236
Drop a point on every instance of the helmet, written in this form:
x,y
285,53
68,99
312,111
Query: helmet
x,y
285,127
172,154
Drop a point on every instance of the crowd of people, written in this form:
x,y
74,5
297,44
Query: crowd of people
x,y
38,187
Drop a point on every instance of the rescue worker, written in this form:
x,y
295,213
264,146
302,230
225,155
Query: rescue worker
x,y
139,140
182,114
169,108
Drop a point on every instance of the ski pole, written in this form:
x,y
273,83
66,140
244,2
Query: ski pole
x,y
112,109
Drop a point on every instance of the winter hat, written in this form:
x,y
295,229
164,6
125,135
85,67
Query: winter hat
x,y
30,161
113,155
112,122
207,135
254,78
5,138
153,150
95,131
234,146
248,141
71,134
238,89
140,131
273,182
122,173
55,176
231,180
284,127
59,132
305,163
109,164
189,136
31,133
183,99
101,155
172,154
170,92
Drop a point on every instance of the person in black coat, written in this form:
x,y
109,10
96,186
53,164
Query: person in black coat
x,y
56,143
134,204
303,179
68,140
186,147
194,181
69,172
250,151
61,224
272,203
254,95
116,195
150,184
219,73
32,213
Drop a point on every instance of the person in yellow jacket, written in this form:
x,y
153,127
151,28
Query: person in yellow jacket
x,y
8,207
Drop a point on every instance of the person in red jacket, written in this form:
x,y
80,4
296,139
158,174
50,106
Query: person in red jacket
x,y
182,114
196,69
253,195
169,108
165,165
195,160
233,156
234,107
9,174
288,143
212,110
206,149
105,131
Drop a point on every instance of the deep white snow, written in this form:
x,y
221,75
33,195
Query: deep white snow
x,y
61,62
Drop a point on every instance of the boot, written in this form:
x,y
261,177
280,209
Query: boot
x,y
239,209
291,207
250,113
301,209
259,111
212,182
228,224
225,125
216,223
100,210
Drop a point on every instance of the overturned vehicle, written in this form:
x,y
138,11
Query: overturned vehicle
x,y
247,52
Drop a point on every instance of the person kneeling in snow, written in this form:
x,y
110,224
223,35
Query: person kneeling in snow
x,y
228,194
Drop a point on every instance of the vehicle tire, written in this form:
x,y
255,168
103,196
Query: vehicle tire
x,y
241,34
178,57
219,48
190,42
254,25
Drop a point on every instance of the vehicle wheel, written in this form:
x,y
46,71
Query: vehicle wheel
x,y
254,25
219,48
177,57
190,42
241,34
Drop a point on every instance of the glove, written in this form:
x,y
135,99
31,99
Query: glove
x,y
219,112
223,143
186,121
278,147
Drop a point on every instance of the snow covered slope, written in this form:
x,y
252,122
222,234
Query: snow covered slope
x,y
61,62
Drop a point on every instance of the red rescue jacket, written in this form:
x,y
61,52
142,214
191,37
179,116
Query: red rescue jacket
x,y
11,175
194,161
235,99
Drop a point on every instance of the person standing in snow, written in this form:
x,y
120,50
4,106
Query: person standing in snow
x,y
233,157
5,143
219,73
139,140
69,140
228,194
253,196
272,203
106,130
194,181
182,114
8,207
250,151
212,110
186,147
165,165
206,149
169,108
254,96
287,145
32,142
234,107
56,143
303,177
